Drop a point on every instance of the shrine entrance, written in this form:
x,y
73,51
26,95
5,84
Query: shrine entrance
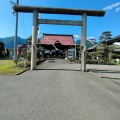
x,y
35,10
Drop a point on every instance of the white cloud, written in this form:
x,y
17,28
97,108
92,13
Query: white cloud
x,y
91,38
112,6
118,9
117,4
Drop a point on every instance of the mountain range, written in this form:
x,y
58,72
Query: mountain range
x,y
9,41
88,43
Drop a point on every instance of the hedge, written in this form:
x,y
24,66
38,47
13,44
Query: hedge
x,y
28,64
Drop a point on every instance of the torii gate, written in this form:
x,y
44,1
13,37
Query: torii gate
x,y
35,10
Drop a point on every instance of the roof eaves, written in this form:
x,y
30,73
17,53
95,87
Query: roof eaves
x,y
94,46
58,34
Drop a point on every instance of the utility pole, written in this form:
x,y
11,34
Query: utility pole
x,y
16,31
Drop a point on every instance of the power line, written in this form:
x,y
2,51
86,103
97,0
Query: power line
x,y
36,2
22,21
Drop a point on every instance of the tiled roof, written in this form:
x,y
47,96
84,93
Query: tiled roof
x,y
113,40
21,45
49,39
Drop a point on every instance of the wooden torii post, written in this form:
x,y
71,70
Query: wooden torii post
x,y
35,10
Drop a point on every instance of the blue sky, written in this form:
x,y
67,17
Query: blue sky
x,y
95,25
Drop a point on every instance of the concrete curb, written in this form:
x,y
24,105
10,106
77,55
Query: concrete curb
x,y
27,69
22,71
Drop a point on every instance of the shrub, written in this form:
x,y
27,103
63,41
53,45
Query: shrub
x,y
28,64
118,62
92,61
96,62
38,61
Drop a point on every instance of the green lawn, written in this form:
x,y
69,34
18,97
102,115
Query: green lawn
x,y
8,67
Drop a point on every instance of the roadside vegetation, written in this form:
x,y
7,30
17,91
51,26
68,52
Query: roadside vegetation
x,y
102,53
8,67
119,63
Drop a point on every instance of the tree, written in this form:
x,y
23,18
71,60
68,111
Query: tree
x,y
104,50
7,53
1,46
26,55
29,40
2,50
105,54
105,36
40,51
92,55
110,52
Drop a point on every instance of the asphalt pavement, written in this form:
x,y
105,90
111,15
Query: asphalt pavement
x,y
58,90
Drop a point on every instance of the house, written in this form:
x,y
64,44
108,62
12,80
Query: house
x,y
21,48
57,45
113,40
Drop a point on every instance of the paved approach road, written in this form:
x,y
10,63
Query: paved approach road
x,y
57,90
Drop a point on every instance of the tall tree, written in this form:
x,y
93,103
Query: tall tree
x,y
105,36
105,52
29,40
2,50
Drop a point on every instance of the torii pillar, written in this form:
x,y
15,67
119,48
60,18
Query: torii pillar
x,y
34,40
83,42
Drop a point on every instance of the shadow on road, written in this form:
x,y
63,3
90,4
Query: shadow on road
x,y
60,69
103,71
111,78
109,74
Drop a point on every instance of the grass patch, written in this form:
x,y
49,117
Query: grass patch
x,y
7,67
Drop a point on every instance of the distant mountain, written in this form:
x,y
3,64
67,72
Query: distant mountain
x,y
88,43
9,41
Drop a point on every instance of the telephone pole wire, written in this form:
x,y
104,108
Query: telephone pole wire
x,y
16,32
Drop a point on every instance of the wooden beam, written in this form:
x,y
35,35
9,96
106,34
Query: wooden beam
x,y
49,10
60,22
